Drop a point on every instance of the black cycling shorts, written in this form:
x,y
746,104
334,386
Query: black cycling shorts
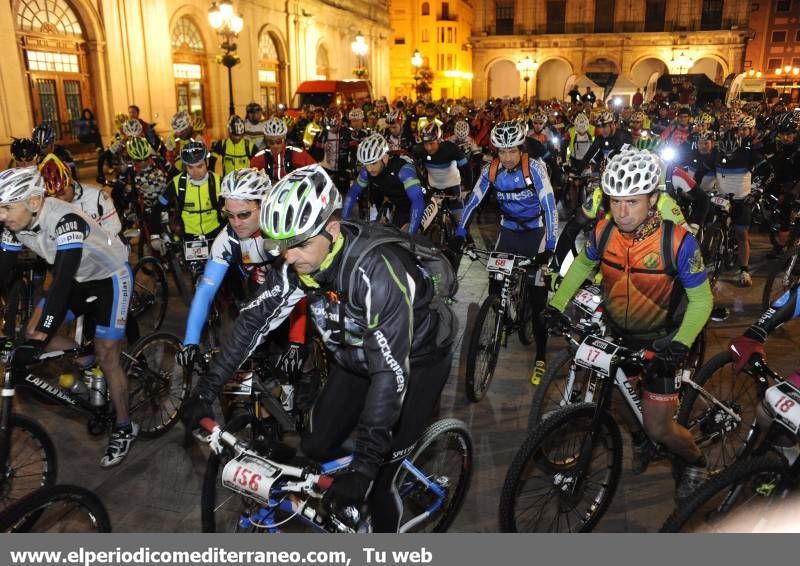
x,y
741,213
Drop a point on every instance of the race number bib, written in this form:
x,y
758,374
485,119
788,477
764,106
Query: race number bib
x,y
195,250
500,263
784,401
596,354
588,299
721,202
250,476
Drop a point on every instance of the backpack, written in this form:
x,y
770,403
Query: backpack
x,y
431,260
526,170
667,249
212,191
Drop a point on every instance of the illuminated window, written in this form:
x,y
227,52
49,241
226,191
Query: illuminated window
x,y
186,71
59,62
266,47
185,33
50,16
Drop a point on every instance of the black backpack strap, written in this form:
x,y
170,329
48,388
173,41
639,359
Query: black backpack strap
x,y
667,249
605,235
212,191
182,180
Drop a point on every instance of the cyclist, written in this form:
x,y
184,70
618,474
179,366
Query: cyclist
x,y
387,178
279,159
447,167
581,135
701,161
182,130
331,148
397,136
640,288
528,223
637,131
314,127
115,154
679,130
785,161
87,264
389,364
607,138
194,194
236,151
254,125
24,153
737,160
45,137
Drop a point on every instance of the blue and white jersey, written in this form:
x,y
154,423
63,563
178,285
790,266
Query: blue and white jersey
x,y
443,166
522,206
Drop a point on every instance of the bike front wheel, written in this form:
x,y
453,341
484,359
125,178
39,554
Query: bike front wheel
x,y
150,295
157,384
550,486
31,463
57,509
780,279
564,383
484,348
721,411
444,456
750,496
525,319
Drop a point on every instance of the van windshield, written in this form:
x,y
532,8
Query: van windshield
x,y
323,99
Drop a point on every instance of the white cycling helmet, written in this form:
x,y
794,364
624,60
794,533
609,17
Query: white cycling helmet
x,y
298,207
245,184
581,122
746,121
275,128
395,117
19,183
631,173
371,149
132,128
181,121
356,114
461,130
508,134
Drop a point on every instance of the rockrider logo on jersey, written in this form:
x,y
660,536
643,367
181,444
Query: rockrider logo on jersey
x,y
390,361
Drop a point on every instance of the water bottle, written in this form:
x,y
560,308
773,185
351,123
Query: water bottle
x,y
97,389
76,387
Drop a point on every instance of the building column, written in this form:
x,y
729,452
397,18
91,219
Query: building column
x,y
16,117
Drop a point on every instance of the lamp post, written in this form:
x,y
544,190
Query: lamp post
x,y
416,62
360,48
683,62
227,24
526,66
785,72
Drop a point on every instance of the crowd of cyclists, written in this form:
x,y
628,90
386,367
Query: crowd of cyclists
x,y
278,207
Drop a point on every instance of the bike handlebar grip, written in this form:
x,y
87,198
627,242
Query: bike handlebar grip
x,y
208,424
324,482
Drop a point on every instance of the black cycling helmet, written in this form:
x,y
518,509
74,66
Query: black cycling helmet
x,y
24,149
193,152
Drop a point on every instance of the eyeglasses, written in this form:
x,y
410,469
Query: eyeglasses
x,y
244,215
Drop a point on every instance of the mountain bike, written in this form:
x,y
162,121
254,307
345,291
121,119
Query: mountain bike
x,y
783,275
150,296
757,493
719,245
56,509
499,315
437,221
264,495
566,473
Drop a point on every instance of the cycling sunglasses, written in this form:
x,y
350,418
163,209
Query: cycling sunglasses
x,y
244,215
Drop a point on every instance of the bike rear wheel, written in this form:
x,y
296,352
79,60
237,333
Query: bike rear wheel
x,y
32,461
444,455
150,295
157,384
780,279
57,509
717,433
546,491
16,309
750,496
484,348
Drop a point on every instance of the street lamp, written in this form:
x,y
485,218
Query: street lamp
x,y
785,72
360,48
683,62
416,62
753,73
526,67
227,24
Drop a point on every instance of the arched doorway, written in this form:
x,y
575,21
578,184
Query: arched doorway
x,y
504,80
323,64
642,74
53,47
603,72
189,69
710,68
270,71
551,78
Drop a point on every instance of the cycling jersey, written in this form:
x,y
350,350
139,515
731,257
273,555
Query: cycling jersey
x,y
702,166
254,133
447,168
675,134
196,202
173,147
398,182
332,149
96,204
310,132
578,143
523,206
467,146
640,293
396,328
234,155
601,147
280,165
398,144
734,171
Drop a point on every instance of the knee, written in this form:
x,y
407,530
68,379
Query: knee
x,y
658,429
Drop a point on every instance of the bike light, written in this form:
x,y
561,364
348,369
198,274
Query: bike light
x,y
668,154
617,101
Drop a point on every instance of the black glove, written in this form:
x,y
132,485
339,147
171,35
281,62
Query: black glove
x,y
27,353
187,355
101,180
291,361
675,352
553,319
543,258
348,490
666,360
195,408
455,247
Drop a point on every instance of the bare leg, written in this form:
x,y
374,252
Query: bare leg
x,y
662,428
108,352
